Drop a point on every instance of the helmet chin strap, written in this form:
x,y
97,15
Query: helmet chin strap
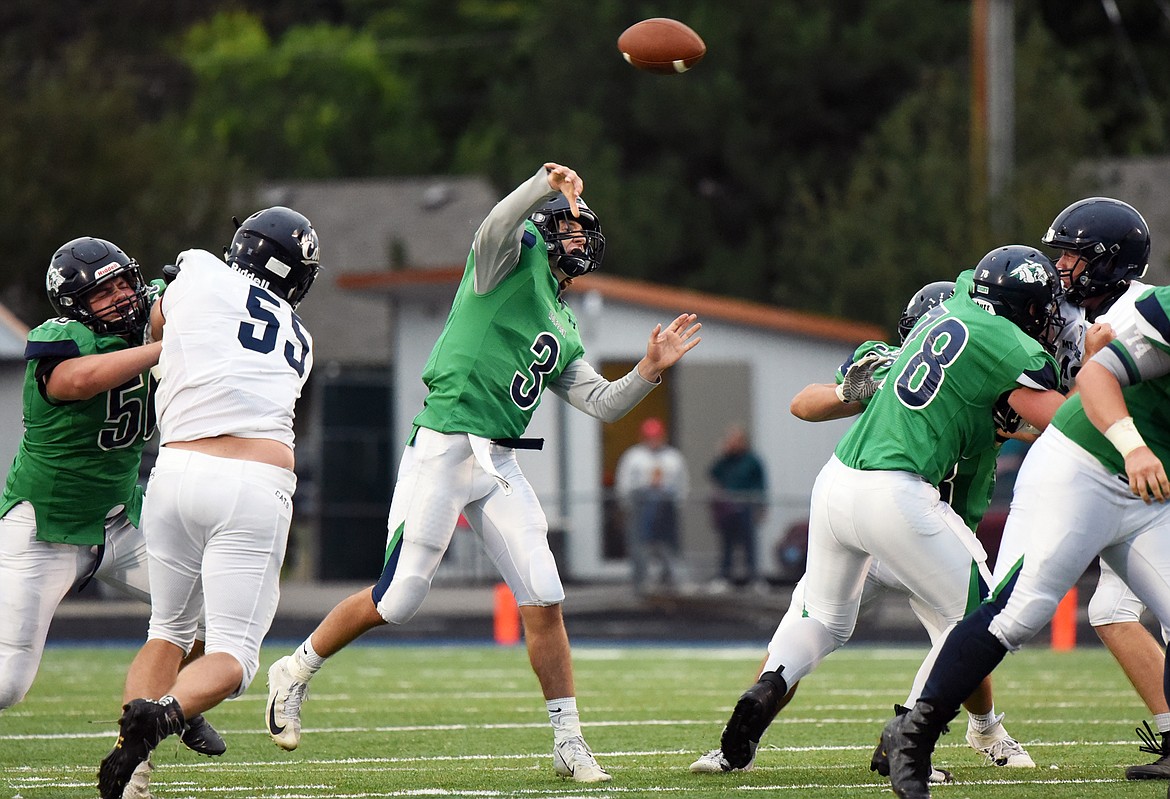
x,y
562,279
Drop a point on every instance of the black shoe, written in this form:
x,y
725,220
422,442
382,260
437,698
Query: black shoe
x,y
143,725
752,714
200,737
1160,768
880,761
908,741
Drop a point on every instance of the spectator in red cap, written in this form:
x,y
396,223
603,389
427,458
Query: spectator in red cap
x,y
651,481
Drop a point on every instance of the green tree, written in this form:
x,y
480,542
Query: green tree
x,y
816,157
1118,68
78,159
906,214
320,101
706,178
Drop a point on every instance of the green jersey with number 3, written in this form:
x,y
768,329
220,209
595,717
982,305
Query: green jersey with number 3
x,y
935,406
500,350
78,460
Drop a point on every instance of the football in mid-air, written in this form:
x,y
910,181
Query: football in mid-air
x,y
661,45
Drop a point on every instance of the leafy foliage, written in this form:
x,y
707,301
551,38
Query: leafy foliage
x,y
819,155
322,101
76,159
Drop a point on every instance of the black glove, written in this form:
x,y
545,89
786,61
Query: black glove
x,y
1005,416
170,272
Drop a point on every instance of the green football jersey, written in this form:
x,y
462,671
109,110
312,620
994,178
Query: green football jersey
x,y
500,350
936,403
968,487
1147,397
78,460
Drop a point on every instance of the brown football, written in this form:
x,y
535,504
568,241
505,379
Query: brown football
x,y
660,45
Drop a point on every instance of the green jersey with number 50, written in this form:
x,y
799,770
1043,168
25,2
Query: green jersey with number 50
x,y
499,350
935,406
78,460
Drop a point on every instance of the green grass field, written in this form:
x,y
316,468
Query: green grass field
x,y
467,721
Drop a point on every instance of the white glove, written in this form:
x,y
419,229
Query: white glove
x,y
859,383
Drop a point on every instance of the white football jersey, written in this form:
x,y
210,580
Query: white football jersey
x,y
234,356
1070,345
1070,342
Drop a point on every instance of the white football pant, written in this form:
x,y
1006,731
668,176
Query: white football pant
x,y
216,530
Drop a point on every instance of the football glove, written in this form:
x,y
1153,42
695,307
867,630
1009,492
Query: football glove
x,y
1008,423
859,384
170,272
1005,416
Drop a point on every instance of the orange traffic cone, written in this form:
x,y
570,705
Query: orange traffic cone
x,y
506,617
1064,623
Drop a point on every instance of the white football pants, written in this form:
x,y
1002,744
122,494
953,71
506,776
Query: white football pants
x,y
36,575
1067,508
216,531
439,478
855,516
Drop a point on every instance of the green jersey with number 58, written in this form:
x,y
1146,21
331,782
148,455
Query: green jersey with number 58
x,y
78,460
936,403
968,487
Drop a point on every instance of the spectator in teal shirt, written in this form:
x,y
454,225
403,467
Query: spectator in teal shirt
x,y
738,503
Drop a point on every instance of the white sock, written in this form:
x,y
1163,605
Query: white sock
x,y
563,715
980,722
1162,722
309,657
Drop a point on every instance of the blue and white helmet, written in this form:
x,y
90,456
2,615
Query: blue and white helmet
x,y
279,246
547,219
1019,283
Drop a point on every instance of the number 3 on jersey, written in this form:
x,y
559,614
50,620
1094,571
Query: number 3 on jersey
x,y
526,388
923,375
261,335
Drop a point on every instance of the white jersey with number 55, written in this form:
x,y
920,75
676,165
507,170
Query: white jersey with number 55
x,y
234,358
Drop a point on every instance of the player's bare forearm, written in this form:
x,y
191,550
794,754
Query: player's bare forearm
x,y
87,376
818,402
157,321
1106,408
1034,406
1101,396
668,345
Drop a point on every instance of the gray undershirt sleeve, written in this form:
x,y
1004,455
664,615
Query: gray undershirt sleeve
x,y
582,387
497,242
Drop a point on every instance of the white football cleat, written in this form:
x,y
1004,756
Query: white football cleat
x,y
573,758
288,684
139,785
999,747
715,763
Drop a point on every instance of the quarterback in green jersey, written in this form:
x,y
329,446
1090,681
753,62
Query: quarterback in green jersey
x,y
71,502
509,336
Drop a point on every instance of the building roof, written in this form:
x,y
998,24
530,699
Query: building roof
x,y
436,282
375,224
13,333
